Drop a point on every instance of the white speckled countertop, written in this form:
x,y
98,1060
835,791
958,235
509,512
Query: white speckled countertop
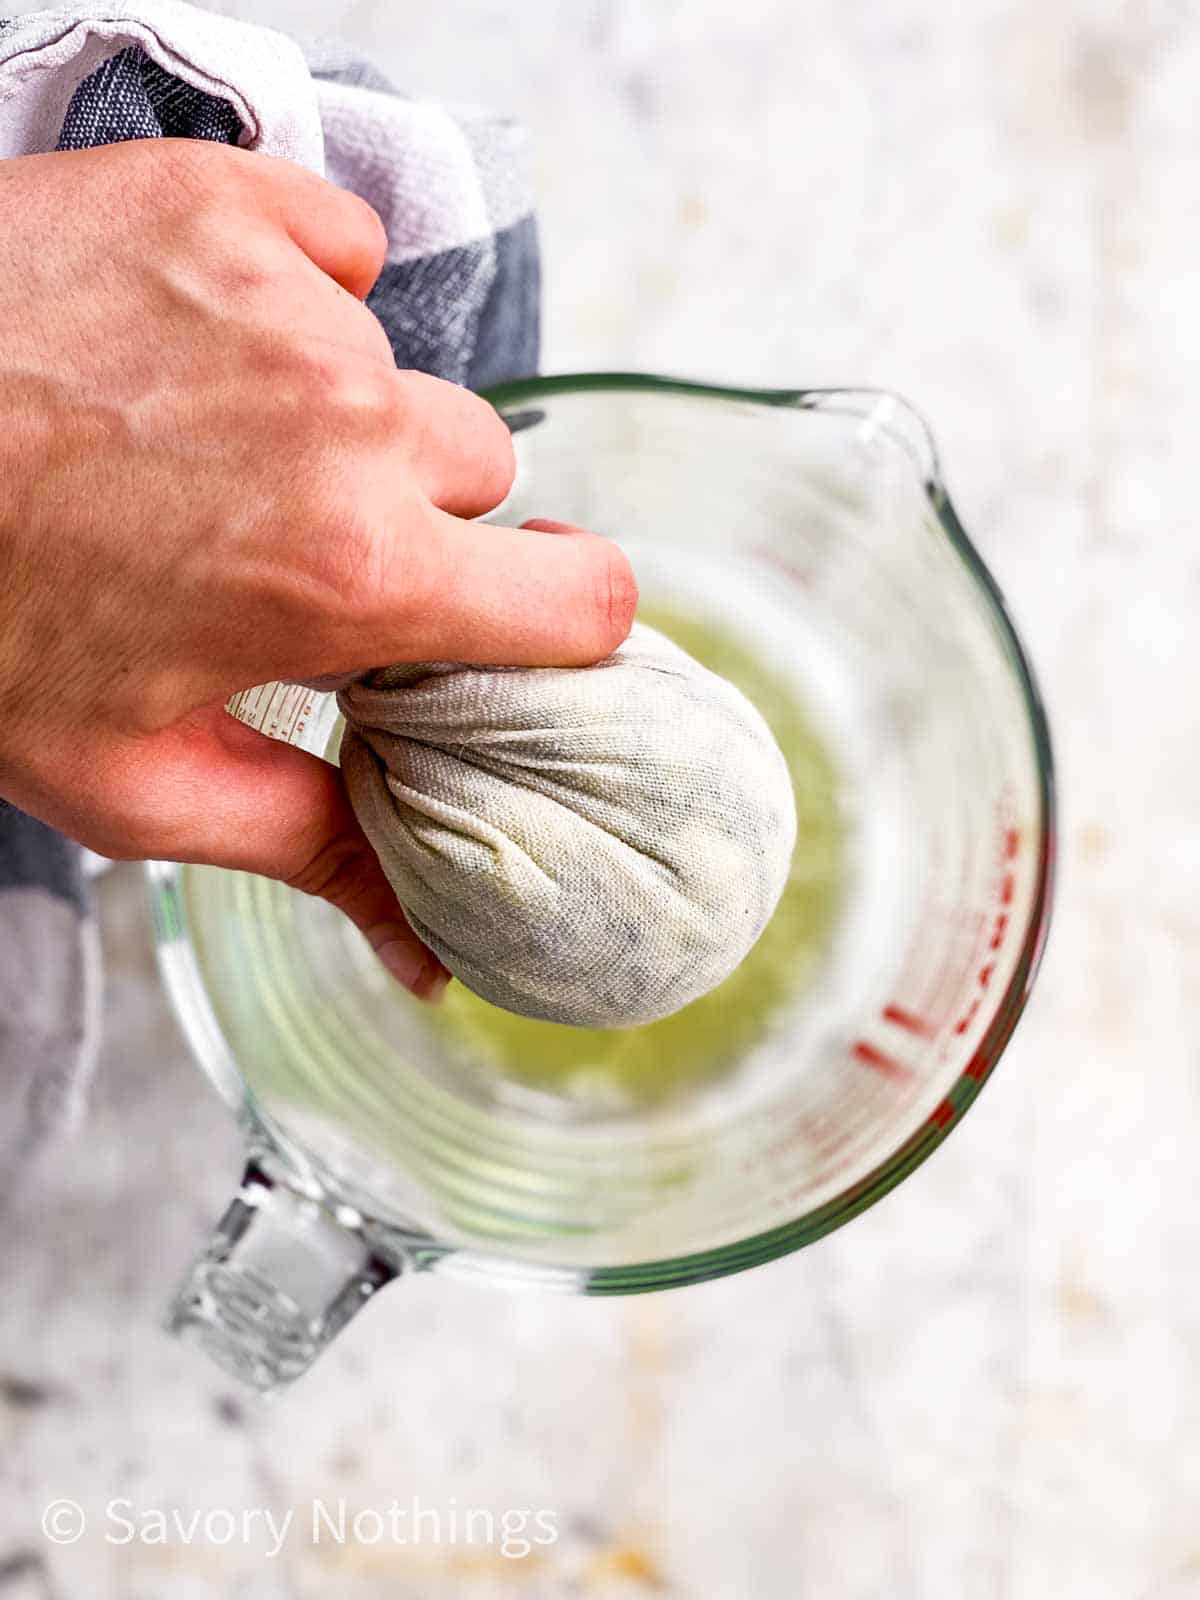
x,y
988,1387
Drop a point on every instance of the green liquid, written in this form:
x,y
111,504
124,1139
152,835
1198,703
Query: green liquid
x,y
638,1068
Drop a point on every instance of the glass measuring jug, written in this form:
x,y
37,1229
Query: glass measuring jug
x,y
806,541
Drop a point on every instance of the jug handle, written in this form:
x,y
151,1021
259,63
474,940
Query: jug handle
x,y
283,1274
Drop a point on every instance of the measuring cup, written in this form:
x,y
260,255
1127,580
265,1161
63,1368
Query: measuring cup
x,y
812,527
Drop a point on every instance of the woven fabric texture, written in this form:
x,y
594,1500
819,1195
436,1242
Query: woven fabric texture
x,y
590,845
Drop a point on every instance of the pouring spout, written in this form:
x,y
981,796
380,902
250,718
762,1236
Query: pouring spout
x,y
283,1274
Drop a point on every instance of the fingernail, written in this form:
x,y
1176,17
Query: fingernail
x,y
418,971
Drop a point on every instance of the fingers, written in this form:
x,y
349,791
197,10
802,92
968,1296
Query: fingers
x,y
457,447
244,801
341,233
467,592
516,597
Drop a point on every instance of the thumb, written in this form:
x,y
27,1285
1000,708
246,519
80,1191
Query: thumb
x,y
543,595
241,800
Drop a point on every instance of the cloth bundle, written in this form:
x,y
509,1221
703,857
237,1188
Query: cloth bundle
x,y
457,297
591,845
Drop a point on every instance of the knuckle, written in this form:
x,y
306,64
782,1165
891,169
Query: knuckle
x,y
271,366
198,170
345,395
209,216
250,272
316,405
338,559
414,414
352,555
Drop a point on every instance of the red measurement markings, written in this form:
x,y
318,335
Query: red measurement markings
x,y
884,1064
943,988
821,1136
1010,845
909,1022
968,1017
977,1067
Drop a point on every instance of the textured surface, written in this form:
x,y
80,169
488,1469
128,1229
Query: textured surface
x,y
988,1388
591,846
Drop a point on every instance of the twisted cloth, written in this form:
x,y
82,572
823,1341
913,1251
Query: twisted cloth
x,y
591,845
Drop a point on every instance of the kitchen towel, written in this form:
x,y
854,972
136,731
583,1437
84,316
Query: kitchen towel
x,y
458,297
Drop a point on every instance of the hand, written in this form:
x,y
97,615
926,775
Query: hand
x,y
211,476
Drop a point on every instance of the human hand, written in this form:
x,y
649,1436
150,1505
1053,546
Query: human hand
x,y
212,475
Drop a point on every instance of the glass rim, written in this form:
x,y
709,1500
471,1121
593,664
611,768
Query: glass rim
x,y
180,975
758,1248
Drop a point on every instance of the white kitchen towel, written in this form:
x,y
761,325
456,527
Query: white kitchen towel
x,y
458,297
